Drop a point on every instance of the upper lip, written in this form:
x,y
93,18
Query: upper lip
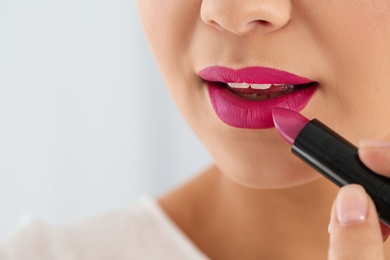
x,y
251,75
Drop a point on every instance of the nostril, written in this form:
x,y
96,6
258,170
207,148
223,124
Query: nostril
x,y
213,23
216,25
262,22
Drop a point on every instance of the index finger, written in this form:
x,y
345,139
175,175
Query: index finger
x,y
376,156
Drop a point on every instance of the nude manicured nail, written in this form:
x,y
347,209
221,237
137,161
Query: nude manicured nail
x,y
374,144
351,205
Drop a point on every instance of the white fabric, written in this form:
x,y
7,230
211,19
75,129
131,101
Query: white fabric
x,y
140,231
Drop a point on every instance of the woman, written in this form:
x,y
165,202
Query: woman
x,y
258,201
227,63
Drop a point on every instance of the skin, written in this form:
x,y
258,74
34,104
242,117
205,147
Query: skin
x,y
257,201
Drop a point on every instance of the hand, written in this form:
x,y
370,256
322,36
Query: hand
x,y
355,230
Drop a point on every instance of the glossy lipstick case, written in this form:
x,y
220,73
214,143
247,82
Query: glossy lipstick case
x,y
333,156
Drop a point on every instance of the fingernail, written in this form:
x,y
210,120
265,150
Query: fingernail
x,y
373,144
351,205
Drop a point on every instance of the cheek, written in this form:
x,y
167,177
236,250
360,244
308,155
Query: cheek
x,y
348,28
349,32
168,25
355,39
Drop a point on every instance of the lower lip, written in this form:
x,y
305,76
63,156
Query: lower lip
x,y
239,112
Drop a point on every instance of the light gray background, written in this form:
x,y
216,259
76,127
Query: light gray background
x,y
86,123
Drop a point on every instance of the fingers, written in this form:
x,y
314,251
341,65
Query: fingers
x,y
354,227
376,156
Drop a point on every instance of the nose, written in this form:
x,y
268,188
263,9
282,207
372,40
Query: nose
x,y
243,16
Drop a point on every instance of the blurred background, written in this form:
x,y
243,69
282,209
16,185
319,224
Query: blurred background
x,y
86,123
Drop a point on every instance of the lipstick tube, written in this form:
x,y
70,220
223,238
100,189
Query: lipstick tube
x,y
333,156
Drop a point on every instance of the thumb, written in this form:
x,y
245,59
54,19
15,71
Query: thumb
x,y
354,227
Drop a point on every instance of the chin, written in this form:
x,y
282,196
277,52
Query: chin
x,y
278,176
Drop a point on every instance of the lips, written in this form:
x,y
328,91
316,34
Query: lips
x,y
244,98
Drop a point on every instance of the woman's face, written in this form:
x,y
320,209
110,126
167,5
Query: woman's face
x,y
340,47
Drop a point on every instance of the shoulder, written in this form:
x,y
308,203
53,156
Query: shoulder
x,y
109,235
137,231
30,240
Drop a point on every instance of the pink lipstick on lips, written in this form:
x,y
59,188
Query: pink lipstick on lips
x,y
332,156
244,98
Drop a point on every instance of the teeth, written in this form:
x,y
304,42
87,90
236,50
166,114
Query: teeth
x,y
239,85
261,86
247,85
284,87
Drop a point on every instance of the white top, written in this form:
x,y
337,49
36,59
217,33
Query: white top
x,y
139,231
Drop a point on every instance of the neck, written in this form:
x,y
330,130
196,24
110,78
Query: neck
x,y
229,221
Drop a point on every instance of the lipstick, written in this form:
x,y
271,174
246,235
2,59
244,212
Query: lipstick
x,y
332,155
